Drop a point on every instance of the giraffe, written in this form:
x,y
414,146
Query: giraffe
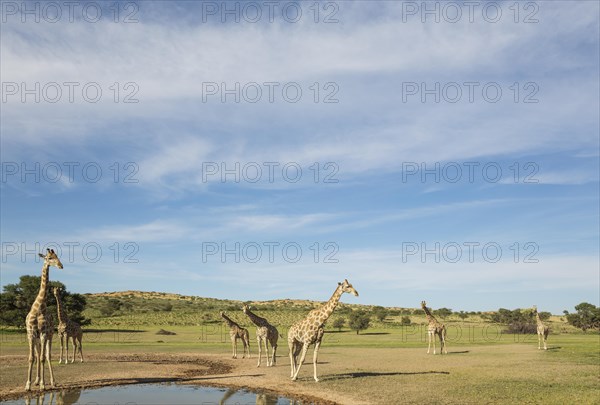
x,y
434,328
265,334
40,326
67,329
310,330
237,332
542,330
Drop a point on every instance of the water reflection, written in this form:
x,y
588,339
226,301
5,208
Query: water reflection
x,y
63,397
154,394
261,399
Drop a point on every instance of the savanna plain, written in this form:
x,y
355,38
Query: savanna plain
x,y
138,337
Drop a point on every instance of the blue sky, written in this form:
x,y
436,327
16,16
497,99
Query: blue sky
x,y
418,179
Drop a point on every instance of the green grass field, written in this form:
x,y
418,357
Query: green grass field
x,y
387,363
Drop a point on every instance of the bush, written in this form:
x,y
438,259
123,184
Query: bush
x,y
380,313
517,320
405,321
110,306
521,328
339,323
587,316
359,320
443,312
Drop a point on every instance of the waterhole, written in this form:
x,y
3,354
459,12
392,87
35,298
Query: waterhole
x,y
154,394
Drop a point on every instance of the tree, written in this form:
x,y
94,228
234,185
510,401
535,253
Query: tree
x,y
443,312
517,320
405,321
359,320
587,316
380,313
544,315
463,315
16,301
110,306
339,323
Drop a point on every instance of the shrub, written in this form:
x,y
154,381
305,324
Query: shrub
x,y
359,320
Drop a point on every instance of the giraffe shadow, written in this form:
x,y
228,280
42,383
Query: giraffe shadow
x,y
362,374
113,330
555,348
461,352
155,380
375,333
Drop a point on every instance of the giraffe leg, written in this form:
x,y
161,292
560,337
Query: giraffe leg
x,y
545,338
274,360
302,357
292,348
444,342
37,363
433,340
297,351
269,363
80,348
315,355
233,344
67,348
428,342
49,360
42,356
248,343
75,348
61,348
539,341
30,366
259,350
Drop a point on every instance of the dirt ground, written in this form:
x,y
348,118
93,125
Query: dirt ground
x,y
103,370
502,374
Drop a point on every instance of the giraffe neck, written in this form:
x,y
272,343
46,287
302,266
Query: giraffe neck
x,y
430,317
62,314
40,300
230,322
257,320
327,309
538,319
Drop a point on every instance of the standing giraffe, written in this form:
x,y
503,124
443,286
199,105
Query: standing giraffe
x,y
265,333
235,332
67,329
40,326
542,330
434,328
310,330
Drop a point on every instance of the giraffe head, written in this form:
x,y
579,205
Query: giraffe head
x,y
534,310
423,304
51,259
245,308
222,313
347,288
56,291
